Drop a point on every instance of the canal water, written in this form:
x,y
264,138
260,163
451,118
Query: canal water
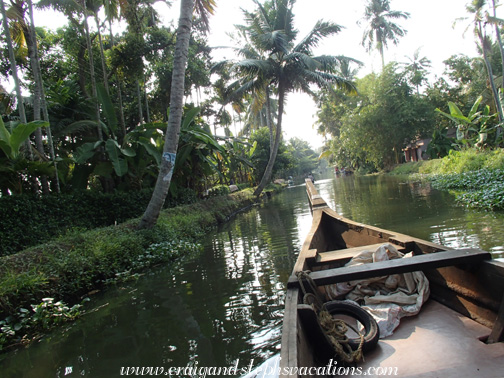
x,y
224,307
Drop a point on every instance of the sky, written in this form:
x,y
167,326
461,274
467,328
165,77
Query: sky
x,y
430,29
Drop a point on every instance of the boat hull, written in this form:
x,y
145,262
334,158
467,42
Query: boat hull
x,y
472,290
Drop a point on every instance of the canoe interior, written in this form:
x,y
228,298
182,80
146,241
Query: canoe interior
x,y
470,292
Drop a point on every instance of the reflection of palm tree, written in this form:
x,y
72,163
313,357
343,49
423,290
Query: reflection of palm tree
x,y
380,28
287,66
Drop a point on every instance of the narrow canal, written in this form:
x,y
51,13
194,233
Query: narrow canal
x,y
224,307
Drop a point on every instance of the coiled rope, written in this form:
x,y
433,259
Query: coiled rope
x,y
334,329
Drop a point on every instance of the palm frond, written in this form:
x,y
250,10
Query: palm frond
x,y
76,127
276,41
203,9
306,60
332,63
222,65
322,29
327,80
252,66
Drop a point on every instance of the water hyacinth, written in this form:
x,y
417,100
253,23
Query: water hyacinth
x,y
155,254
164,251
44,316
483,188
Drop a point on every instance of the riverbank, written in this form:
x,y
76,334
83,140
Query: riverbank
x,y
475,178
34,282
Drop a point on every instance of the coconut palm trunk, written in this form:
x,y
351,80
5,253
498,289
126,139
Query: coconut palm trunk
x,y
501,48
39,83
268,172
151,214
92,72
102,54
269,118
486,48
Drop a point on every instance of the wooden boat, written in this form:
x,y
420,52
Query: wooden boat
x,y
459,330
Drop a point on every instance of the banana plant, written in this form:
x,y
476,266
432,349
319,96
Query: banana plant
x,y
11,142
13,166
199,154
119,155
475,121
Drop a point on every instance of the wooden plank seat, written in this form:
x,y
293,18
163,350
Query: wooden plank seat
x,y
349,253
404,265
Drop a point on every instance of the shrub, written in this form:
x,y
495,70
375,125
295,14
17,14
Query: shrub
x,y
469,160
29,220
430,166
44,316
495,159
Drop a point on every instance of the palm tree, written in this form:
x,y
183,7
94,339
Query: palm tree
x,y
479,21
40,93
381,28
203,8
286,66
26,46
476,8
13,65
417,68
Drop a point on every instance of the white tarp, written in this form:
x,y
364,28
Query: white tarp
x,y
388,298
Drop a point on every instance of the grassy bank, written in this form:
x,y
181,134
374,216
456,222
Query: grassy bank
x,y
476,178
33,281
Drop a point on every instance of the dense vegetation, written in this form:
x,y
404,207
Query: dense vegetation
x,y
97,118
98,111
52,216
399,105
476,178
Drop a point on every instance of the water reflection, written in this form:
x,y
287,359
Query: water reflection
x,y
416,209
226,305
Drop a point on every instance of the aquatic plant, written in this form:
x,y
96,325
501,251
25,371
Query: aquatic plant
x,y
483,188
26,324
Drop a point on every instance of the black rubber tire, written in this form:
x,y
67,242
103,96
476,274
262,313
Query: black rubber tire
x,y
372,332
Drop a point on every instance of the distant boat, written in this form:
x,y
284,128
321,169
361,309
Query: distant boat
x,y
457,333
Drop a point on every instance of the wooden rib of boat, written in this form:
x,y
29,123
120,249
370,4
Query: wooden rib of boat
x,y
458,332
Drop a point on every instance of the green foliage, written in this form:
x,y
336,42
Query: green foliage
x,y
407,168
440,145
43,317
371,130
262,152
430,166
11,142
475,177
50,216
302,159
467,160
218,190
481,188
199,154
473,129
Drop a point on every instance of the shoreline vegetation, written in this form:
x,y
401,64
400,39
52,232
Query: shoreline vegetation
x,y
36,283
475,178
